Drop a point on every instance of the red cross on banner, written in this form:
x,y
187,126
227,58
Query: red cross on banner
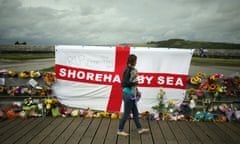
x,y
115,98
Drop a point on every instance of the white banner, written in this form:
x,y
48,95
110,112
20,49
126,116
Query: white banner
x,y
90,76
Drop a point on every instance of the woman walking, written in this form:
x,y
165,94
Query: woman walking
x,y
130,96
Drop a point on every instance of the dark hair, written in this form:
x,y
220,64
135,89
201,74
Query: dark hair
x,y
132,59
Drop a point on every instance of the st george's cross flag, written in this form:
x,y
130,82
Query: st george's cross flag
x,y
90,76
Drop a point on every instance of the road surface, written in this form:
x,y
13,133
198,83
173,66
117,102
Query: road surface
x,y
27,65
39,64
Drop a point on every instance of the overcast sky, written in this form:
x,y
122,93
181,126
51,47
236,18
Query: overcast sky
x,y
111,22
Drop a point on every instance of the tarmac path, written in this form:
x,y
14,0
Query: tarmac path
x,y
27,65
39,64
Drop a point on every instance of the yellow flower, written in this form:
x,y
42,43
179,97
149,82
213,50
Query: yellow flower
x,y
171,102
48,101
191,91
48,106
49,78
165,115
146,113
11,73
104,114
198,112
1,88
212,77
219,89
113,115
200,74
195,80
34,74
212,87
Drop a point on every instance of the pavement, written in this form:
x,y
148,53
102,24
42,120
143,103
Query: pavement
x,y
27,65
225,70
39,64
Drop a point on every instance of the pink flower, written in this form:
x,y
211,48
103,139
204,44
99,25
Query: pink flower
x,y
218,76
204,84
199,93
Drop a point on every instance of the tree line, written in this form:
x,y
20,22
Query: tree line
x,y
181,43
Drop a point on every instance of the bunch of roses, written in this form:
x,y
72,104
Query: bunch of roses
x,y
232,86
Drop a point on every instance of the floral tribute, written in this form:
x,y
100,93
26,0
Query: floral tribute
x,y
29,83
216,96
208,98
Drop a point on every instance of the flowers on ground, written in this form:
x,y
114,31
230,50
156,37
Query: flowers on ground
x,y
212,91
205,99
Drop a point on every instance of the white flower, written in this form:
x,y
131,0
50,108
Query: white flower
x,y
192,104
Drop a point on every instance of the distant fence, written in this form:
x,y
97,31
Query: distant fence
x,y
228,53
26,49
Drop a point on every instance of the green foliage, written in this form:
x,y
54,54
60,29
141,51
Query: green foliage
x,y
160,107
50,69
26,56
215,61
181,43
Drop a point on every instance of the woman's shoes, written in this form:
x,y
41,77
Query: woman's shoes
x,y
122,133
143,130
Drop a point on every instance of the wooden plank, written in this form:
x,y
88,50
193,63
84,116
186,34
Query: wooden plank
x,y
227,133
233,127
21,133
210,133
146,137
134,137
124,139
17,127
68,131
80,130
57,131
221,134
8,126
167,133
93,130
34,131
181,138
200,133
157,132
6,122
187,131
47,131
111,136
102,131
236,124
89,135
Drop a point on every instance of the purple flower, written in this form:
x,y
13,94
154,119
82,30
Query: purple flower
x,y
132,97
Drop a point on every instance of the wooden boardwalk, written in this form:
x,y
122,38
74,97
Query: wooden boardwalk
x,y
48,130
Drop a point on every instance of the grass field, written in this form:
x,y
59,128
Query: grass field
x,y
215,61
26,56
